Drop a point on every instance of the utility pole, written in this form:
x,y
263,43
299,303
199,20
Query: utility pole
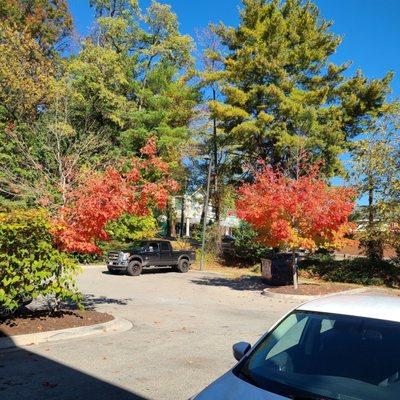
x,y
182,215
206,201
215,155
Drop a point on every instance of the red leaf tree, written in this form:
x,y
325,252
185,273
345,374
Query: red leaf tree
x,y
296,213
104,196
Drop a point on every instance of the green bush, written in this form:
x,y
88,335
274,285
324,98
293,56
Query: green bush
x,y
246,250
124,231
130,228
30,265
358,270
212,244
83,258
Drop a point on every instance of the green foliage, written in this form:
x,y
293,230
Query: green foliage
x,y
152,35
26,75
82,258
246,249
376,173
165,112
123,232
212,245
30,266
358,270
130,228
160,100
281,95
99,82
42,161
48,22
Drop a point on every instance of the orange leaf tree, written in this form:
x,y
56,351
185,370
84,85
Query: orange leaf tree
x,y
104,196
296,213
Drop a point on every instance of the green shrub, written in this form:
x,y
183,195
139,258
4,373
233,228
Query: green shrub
x,y
124,231
130,228
246,250
358,270
83,258
30,265
212,244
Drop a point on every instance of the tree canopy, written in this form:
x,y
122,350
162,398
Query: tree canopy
x,y
280,91
48,22
296,213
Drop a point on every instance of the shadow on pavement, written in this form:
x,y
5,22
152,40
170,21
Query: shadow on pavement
x,y
90,301
27,376
245,283
150,271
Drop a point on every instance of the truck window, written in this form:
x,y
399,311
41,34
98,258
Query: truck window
x,y
165,246
153,247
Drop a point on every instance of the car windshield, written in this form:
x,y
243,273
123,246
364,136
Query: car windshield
x,y
327,356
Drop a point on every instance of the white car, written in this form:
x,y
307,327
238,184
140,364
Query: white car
x,y
343,347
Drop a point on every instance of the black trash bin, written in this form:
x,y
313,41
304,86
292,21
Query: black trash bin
x,y
277,271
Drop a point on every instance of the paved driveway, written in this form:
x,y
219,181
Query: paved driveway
x,y
184,326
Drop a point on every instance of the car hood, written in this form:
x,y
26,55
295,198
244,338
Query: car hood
x,y
230,387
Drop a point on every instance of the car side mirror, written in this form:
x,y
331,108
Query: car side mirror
x,y
240,349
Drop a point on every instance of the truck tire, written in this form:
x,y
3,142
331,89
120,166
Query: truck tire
x,y
134,268
183,265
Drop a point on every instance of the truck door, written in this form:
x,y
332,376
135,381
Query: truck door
x,y
165,253
153,253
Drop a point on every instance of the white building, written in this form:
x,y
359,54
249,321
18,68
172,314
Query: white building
x,y
193,206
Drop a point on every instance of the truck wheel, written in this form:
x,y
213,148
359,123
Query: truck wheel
x,y
134,268
183,266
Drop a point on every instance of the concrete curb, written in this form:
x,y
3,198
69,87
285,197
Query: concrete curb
x,y
115,326
284,296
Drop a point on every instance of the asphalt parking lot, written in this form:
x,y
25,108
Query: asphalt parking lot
x,y
183,328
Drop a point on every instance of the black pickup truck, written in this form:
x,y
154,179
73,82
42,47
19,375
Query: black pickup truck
x,y
148,254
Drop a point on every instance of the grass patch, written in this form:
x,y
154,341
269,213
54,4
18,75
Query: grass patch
x,y
358,270
214,264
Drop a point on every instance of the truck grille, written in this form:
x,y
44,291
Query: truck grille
x,y
113,256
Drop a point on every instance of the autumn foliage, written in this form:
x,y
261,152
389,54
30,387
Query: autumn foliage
x,y
296,213
104,196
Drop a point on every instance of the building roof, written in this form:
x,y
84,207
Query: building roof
x,y
367,306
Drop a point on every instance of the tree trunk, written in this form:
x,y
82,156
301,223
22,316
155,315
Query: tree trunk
x,y
374,243
171,218
294,269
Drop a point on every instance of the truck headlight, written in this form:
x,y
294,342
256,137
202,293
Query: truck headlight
x,y
125,256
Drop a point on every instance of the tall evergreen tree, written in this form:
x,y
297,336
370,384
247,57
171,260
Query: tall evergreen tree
x,y
158,61
281,93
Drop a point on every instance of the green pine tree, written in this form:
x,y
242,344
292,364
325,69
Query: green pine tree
x,y
281,93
